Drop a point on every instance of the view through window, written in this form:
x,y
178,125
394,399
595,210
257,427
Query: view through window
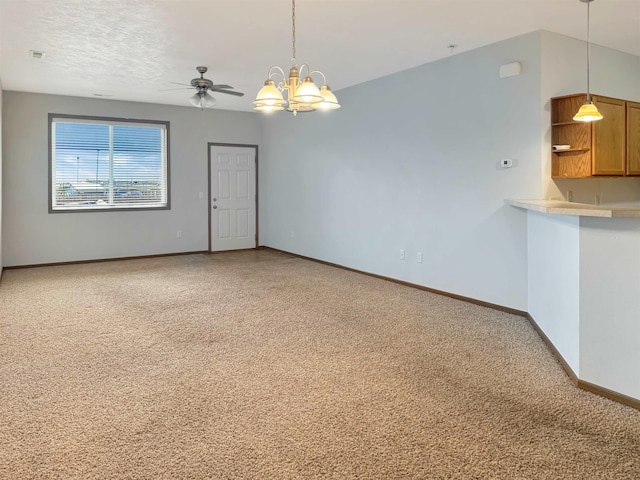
x,y
105,164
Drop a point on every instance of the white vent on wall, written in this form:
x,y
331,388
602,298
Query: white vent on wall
x,y
37,55
510,70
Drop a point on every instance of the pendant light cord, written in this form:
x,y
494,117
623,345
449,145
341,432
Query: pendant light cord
x,y
588,48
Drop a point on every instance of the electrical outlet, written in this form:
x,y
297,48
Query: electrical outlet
x,y
597,199
401,254
569,196
419,257
179,234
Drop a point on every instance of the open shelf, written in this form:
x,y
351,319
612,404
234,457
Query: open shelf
x,y
559,124
569,150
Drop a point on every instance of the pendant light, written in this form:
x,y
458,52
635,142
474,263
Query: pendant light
x,y
588,111
301,97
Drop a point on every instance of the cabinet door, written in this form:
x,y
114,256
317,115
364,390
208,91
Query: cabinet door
x,y
633,138
608,139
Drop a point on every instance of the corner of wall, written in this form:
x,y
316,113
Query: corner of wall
x,y
1,264
394,165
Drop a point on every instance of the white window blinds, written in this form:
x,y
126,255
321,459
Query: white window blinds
x,y
105,164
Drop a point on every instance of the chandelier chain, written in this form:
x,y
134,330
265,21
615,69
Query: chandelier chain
x,y
293,29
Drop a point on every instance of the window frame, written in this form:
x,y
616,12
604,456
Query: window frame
x,y
106,120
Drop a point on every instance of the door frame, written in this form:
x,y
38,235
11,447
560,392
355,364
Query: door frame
x,y
241,145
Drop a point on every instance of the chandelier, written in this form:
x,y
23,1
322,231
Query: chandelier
x,y
588,112
301,96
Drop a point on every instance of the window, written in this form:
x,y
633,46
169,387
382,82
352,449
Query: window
x,y
108,164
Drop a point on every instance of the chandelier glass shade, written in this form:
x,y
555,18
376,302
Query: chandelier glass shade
x,y
302,96
588,112
269,98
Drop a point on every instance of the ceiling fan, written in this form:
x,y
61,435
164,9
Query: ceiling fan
x,y
203,86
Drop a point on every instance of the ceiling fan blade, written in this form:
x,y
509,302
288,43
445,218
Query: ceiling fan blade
x,y
224,87
185,84
179,88
229,92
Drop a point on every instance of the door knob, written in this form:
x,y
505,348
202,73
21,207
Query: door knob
x,y
214,207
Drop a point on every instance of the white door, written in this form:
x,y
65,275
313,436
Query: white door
x,y
232,206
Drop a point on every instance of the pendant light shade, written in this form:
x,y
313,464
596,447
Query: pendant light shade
x,y
588,112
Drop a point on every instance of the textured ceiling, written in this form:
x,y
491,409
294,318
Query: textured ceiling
x,y
134,49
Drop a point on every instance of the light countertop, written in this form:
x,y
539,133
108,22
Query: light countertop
x,y
557,207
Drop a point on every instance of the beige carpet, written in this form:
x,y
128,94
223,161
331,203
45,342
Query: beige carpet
x,y
256,365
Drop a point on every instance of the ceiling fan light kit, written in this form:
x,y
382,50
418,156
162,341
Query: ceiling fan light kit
x,y
301,97
588,112
202,98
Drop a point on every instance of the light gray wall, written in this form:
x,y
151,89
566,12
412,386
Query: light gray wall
x,y
31,235
1,264
554,281
564,71
609,303
411,162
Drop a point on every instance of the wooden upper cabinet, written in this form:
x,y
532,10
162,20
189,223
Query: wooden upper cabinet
x,y
608,138
608,147
633,138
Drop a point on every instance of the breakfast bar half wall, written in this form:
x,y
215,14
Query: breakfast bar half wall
x,y
584,290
